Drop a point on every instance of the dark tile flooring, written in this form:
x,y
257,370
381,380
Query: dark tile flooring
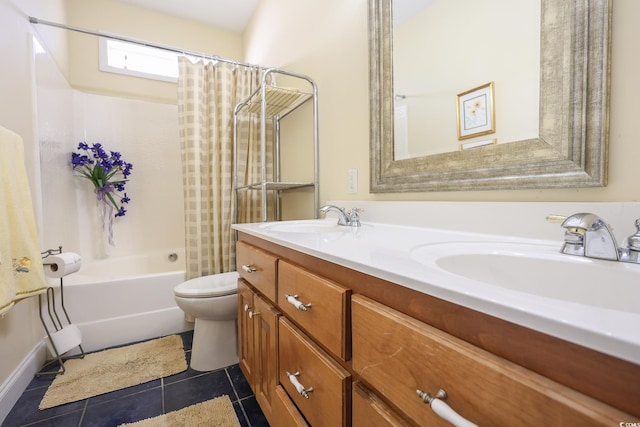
x,y
142,401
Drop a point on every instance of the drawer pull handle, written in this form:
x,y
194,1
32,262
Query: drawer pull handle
x,y
304,392
252,314
293,300
248,268
443,410
247,307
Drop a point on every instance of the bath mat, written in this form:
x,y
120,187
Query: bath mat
x,y
217,412
115,369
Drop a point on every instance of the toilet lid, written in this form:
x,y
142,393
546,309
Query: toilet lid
x,y
216,285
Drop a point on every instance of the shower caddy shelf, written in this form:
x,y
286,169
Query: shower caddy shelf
x,y
271,102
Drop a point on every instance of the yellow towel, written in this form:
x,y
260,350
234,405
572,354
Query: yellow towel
x,y
21,271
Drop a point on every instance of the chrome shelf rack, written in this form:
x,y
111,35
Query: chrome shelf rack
x,y
273,102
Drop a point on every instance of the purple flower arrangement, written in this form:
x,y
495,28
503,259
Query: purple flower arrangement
x,y
107,171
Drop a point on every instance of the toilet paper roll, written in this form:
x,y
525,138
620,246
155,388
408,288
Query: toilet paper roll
x,y
56,266
64,340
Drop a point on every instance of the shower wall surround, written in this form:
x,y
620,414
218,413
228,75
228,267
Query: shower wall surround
x,y
146,133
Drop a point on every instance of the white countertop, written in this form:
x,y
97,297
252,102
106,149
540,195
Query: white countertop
x,y
385,251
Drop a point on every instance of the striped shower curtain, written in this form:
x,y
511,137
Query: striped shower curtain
x,y
207,95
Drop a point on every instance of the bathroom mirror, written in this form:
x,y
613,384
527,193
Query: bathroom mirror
x,y
570,149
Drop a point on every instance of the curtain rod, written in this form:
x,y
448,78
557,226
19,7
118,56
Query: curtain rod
x,y
141,42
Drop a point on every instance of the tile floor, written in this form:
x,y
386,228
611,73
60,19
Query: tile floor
x,y
142,401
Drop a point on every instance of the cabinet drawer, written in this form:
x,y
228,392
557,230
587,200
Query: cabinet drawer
x,y
328,403
368,410
258,268
398,355
326,318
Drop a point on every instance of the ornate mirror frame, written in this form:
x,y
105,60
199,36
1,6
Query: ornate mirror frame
x,y
572,146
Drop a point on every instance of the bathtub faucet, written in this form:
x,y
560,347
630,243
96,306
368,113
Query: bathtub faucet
x,y
349,218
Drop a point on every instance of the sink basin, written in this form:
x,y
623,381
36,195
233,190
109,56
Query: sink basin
x,y
538,270
306,226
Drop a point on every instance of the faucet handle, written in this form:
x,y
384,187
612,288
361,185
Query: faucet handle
x,y
634,240
573,236
354,219
556,219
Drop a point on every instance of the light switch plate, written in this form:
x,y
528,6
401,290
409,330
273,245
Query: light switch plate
x,y
352,181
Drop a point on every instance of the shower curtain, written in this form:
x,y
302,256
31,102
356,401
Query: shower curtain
x,y
207,95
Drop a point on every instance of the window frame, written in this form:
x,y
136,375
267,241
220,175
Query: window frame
x,y
106,66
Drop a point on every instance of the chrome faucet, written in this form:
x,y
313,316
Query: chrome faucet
x,y
632,252
349,218
588,235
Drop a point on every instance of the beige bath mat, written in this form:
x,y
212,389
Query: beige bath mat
x,y
115,369
217,412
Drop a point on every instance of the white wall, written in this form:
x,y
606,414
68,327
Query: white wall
x,y
146,134
20,330
124,19
328,41
40,105
55,103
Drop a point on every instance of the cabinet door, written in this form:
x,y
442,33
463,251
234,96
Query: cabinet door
x,y
397,355
245,331
258,342
368,410
265,345
285,412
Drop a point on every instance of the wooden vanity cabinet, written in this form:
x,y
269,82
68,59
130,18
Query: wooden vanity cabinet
x,y
367,352
269,346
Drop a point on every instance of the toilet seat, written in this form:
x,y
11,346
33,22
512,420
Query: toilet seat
x,y
207,287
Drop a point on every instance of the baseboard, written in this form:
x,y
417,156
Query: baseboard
x,y
16,384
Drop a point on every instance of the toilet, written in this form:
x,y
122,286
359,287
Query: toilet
x,y
212,302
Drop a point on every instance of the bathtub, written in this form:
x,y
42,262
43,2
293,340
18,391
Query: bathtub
x,y
120,300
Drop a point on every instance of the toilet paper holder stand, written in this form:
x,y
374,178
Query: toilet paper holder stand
x,y
60,340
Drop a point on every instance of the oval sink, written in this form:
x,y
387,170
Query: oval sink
x,y
539,270
305,226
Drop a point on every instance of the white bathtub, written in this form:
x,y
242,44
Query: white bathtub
x,y
120,300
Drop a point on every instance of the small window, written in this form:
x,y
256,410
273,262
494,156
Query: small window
x,y
137,60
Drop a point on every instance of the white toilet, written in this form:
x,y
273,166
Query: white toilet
x,y
212,301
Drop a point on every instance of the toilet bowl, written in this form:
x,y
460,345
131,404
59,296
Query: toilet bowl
x,y
212,301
